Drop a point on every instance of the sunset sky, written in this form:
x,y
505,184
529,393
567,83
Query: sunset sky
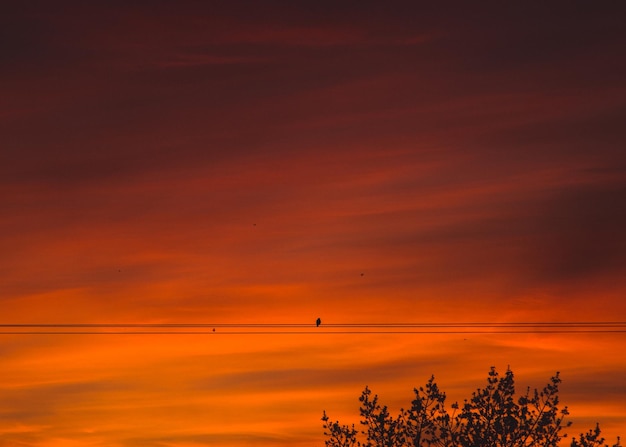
x,y
272,162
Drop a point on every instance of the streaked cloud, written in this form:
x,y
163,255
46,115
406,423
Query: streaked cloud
x,y
278,163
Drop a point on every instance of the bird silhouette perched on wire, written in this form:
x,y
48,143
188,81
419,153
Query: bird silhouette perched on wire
x,y
318,322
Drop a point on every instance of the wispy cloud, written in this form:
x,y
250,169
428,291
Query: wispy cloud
x,y
274,163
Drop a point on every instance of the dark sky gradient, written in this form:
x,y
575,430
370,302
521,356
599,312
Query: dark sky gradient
x,y
272,162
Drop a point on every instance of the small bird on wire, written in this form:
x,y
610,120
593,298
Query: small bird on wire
x,y
318,322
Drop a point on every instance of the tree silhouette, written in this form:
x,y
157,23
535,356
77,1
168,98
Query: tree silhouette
x,y
492,417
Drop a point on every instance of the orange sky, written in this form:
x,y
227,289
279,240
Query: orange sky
x,y
272,162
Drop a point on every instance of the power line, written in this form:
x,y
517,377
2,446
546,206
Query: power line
x,y
302,332
344,325
536,327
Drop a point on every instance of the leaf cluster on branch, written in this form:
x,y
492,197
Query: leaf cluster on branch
x,y
492,417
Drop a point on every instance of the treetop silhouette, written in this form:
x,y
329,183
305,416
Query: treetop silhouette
x,y
492,417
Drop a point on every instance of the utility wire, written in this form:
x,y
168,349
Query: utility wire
x,y
300,332
344,325
311,329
